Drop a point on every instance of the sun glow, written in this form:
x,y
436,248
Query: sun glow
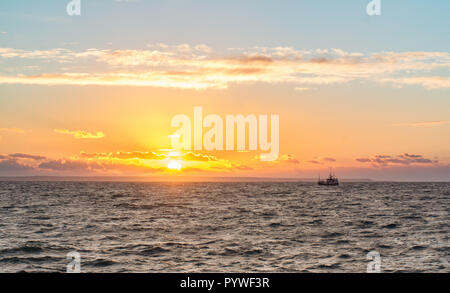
x,y
174,165
174,154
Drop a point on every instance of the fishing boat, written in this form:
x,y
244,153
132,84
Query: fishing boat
x,y
330,181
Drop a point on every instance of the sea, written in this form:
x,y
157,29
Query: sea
x,y
224,227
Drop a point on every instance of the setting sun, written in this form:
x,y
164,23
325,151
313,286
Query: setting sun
x,y
174,165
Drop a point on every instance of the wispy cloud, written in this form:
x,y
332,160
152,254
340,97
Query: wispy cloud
x,y
27,156
13,130
187,156
429,82
124,155
423,124
302,89
81,134
322,160
282,159
69,165
199,67
190,156
403,159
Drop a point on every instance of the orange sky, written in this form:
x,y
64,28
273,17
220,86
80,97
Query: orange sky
x,y
81,102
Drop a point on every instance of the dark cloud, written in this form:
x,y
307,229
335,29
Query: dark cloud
x,y
26,156
320,160
404,159
425,161
329,159
417,159
76,166
363,160
68,165
411,156
11,165
382,156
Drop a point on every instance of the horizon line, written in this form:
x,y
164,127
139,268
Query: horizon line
x,y
212,179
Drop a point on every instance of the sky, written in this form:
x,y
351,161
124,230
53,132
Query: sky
x,y
95,94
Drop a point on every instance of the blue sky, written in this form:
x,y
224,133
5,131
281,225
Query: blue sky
x,y
403,25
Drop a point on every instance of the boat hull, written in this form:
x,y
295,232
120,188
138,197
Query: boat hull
x,y
328,184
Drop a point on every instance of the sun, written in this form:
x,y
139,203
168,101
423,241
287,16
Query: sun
x,y
174,165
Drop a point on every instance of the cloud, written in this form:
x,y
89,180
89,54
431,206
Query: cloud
x,y
69,165
411,156
138,163
282,159
93,155
329,159
59,55
244,168
13,130
198,67
19,163
423,124
77,166
288,159
190,156
302,89
10,165
27,156
81,134
430,82
363,160
322,160
136,155
124,155
403,159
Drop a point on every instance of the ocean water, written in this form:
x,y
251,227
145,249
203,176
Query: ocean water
x,y
224,227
